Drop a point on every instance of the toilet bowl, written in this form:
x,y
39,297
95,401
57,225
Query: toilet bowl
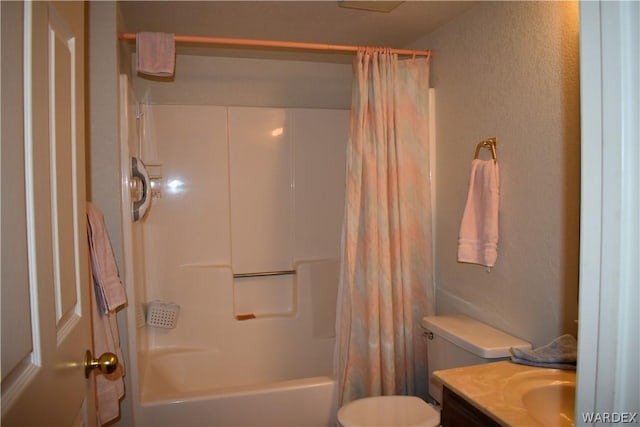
x,y
453,341
387,411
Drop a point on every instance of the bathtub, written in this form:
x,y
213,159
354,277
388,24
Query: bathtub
x,y
191,387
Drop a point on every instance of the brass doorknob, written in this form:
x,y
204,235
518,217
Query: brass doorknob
x,y
107,363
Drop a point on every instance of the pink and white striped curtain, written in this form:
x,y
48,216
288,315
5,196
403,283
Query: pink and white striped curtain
x,y
386,283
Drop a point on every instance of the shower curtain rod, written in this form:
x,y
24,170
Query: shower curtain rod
x,y
276,44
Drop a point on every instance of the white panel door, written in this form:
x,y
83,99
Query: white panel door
x,y
45,277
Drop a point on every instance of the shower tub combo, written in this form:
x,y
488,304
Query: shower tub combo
x,y
237,191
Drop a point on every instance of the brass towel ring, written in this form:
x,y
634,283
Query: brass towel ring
x,y
487,143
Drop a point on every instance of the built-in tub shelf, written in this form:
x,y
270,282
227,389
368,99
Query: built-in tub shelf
x,y
265,294
250,316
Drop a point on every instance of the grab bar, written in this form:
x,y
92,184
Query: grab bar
x,y
264,273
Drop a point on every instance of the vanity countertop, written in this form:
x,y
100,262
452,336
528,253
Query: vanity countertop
x,y
497,388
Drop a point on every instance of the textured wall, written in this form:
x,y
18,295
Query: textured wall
x,y
510,70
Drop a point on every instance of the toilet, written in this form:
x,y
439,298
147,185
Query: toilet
x,y
452,341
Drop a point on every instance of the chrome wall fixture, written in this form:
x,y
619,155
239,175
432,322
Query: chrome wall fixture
x,y
140,189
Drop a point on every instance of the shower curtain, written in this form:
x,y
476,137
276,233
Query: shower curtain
x,y
386,283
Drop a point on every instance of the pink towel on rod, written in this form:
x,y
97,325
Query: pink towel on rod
x,y
478,238
156,53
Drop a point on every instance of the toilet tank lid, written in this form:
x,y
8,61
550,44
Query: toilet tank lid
x,y
473,335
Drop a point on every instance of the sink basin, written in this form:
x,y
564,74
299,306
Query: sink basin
x,y
546,395
551,405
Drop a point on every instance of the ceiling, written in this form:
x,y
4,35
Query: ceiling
x,y
303,21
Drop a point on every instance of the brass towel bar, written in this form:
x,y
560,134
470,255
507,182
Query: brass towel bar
x,y
487,143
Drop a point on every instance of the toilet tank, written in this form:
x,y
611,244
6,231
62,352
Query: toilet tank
x,y
457,340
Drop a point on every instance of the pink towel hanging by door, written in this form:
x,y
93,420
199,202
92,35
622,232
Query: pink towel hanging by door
x,y
108,295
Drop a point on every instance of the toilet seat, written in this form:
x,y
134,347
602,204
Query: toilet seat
x,y
388,411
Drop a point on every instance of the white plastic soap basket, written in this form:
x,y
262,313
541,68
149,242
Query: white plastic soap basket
x,y
162,314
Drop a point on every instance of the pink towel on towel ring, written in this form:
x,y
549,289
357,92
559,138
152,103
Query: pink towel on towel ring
x,y
478,238
156,54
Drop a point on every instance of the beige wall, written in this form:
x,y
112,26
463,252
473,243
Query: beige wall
x,y
102,117
510,70
103,144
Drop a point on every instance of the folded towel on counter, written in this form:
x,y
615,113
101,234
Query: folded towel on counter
x,y
156,53
478,238
561,353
